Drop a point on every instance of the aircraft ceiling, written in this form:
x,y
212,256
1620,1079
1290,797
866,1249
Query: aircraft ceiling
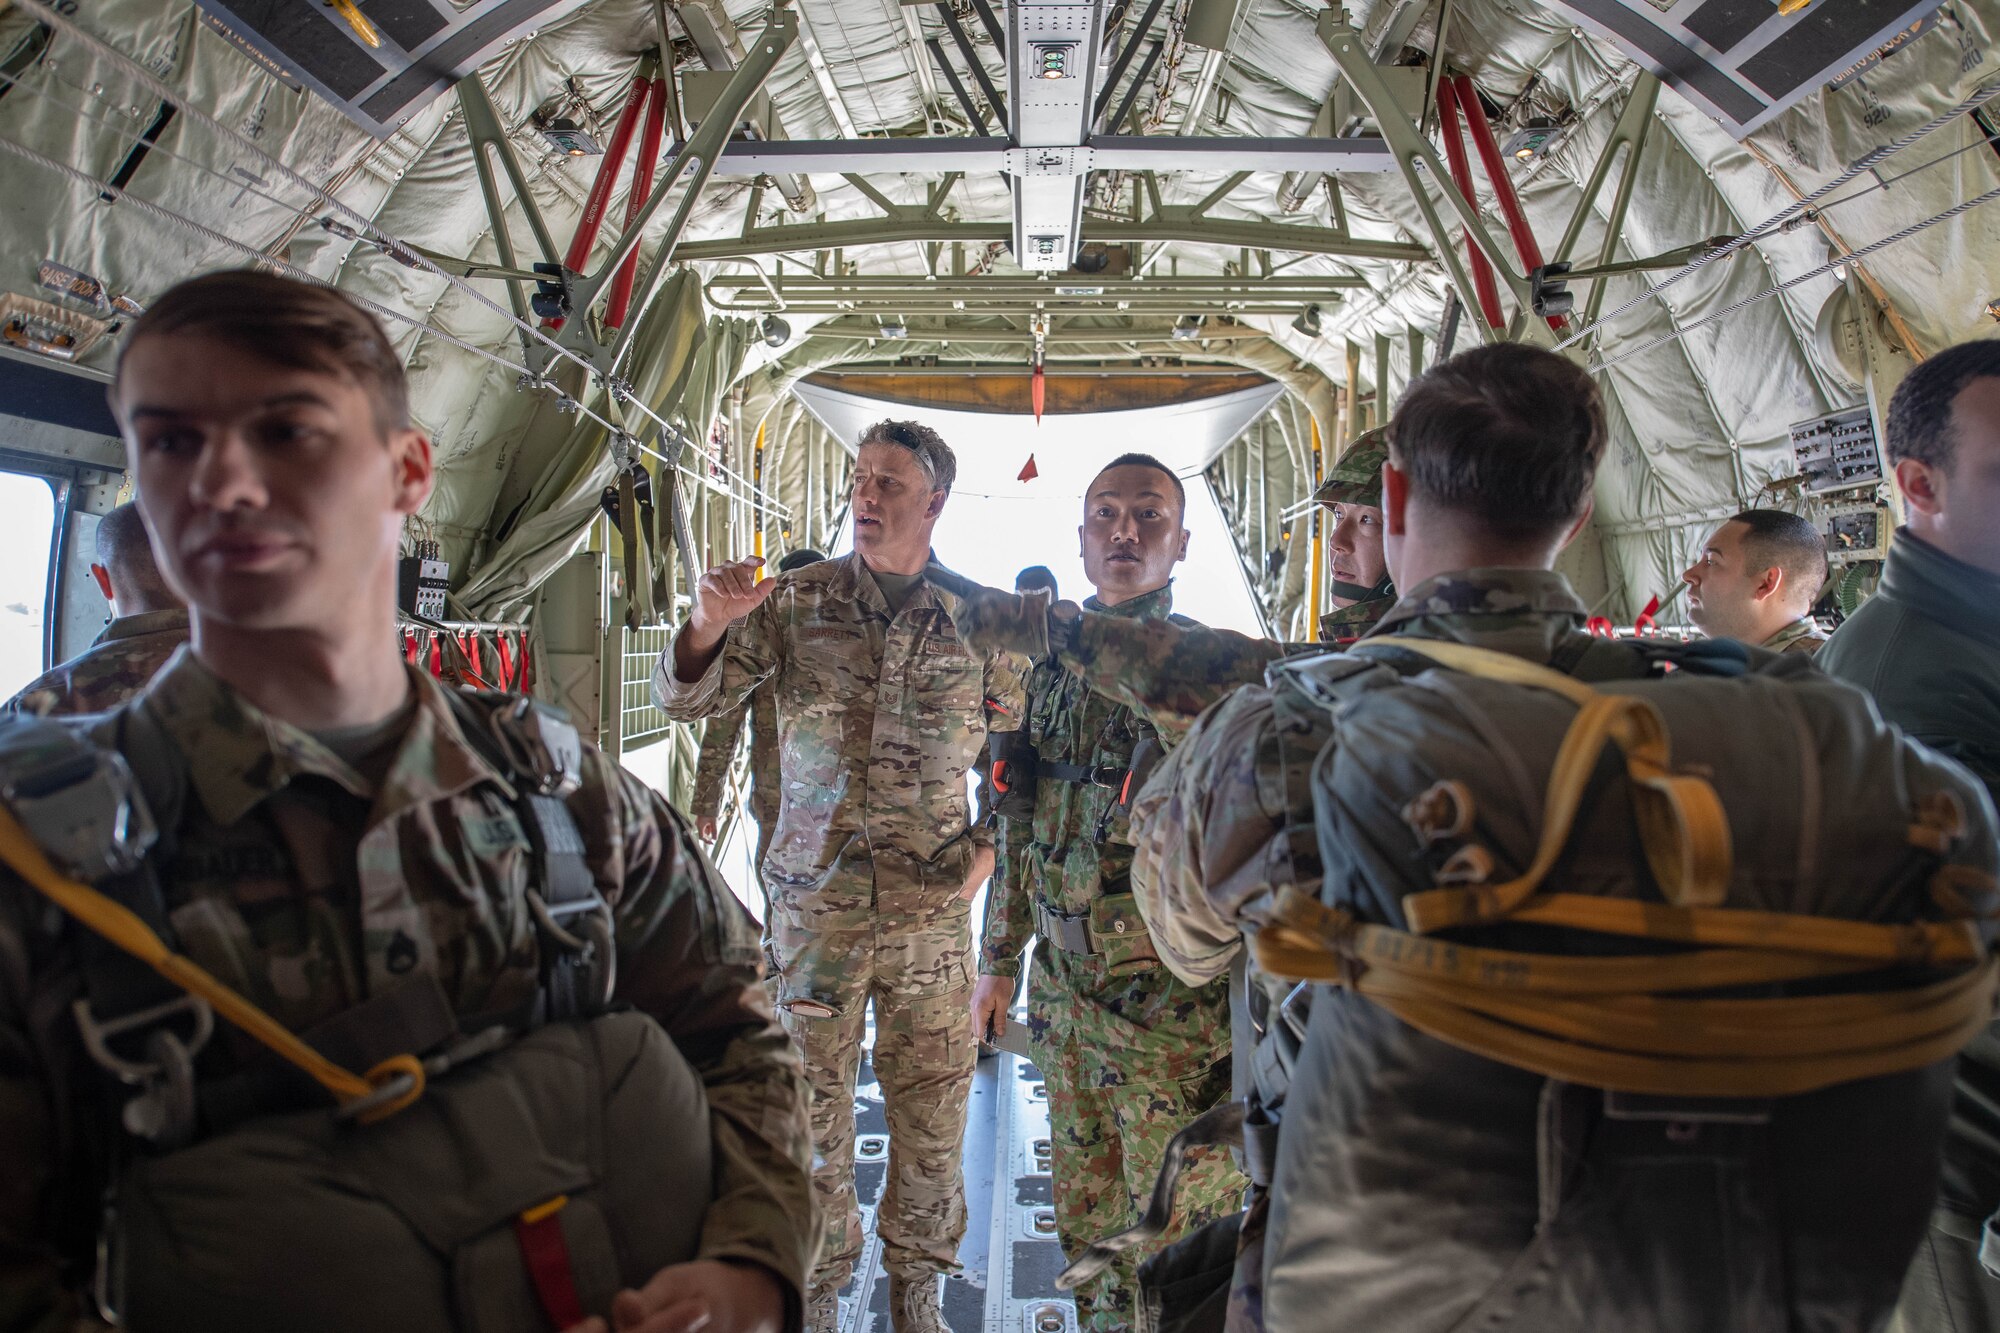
x,y
1702,393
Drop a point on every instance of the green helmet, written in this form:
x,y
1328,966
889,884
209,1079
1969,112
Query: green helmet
x,y
1356,479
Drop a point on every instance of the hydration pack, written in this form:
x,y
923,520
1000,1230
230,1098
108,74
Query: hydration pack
x,y
510,1179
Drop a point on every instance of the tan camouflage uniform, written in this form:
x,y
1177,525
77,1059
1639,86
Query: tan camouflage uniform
x,y
718,748
113,669
879,721
1130,1053
1801,636
308,889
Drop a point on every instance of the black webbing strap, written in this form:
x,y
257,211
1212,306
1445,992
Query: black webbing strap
x,y
559,865
1095,775
116,983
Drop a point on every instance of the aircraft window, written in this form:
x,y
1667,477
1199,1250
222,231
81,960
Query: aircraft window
x,y
27,540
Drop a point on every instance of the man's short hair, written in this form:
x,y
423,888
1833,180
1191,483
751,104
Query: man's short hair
x,y
933,455
1507,435
285,322
1788,542
799,559
1147,460
126,551
1035,576
1919,418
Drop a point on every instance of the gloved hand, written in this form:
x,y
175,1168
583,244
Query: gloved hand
x,y
990,621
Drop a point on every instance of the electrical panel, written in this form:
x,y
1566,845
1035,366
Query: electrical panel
x,y
422,579
1858,532
1838,453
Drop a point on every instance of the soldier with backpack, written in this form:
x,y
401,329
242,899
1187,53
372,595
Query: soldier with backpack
x,y
1638,970
332,999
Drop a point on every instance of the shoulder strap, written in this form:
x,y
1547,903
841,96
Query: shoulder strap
x,y
534,746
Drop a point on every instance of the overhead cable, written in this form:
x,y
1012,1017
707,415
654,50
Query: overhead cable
x,y
290,270
1850,257
1865,162
403,253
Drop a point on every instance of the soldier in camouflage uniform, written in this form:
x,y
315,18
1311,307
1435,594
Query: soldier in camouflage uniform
x,y
718,748
1406,1192
1170,672
1756,580
148,622
881,712
338,835
1129,1052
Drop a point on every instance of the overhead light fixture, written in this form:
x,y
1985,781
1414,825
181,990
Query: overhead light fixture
x,y
1308,322
567,137
895,328
1187,328
1052,61
1533,138
776,332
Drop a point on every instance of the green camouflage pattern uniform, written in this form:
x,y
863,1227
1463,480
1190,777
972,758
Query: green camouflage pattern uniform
x,y
879,720
1801,636
1129,1052
309,888
718,748
115,667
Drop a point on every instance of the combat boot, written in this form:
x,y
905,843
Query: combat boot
x,y
823,1310
913,1305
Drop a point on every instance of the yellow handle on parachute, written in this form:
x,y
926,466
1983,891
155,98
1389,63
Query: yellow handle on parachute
x,y
356,20
126,931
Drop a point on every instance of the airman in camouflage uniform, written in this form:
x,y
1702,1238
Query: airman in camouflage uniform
x,y
1756,579
881,712
1170,672
336,835
1130,1053
148,623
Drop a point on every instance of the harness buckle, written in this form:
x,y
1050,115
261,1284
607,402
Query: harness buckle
x,y
79,803
584,929
163,1113
540,744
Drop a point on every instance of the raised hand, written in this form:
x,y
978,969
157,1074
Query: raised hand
x,y
727,593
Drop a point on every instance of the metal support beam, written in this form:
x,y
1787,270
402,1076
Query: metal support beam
x,y
1106,152
489,140
966,49
1628,134
687,173
1051,88
1418,162
912,223
1123,60
1146,68
973,117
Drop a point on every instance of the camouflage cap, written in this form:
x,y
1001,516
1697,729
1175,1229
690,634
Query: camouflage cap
x,y
1356,479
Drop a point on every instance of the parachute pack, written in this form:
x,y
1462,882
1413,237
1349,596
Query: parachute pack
x,y
387,1170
